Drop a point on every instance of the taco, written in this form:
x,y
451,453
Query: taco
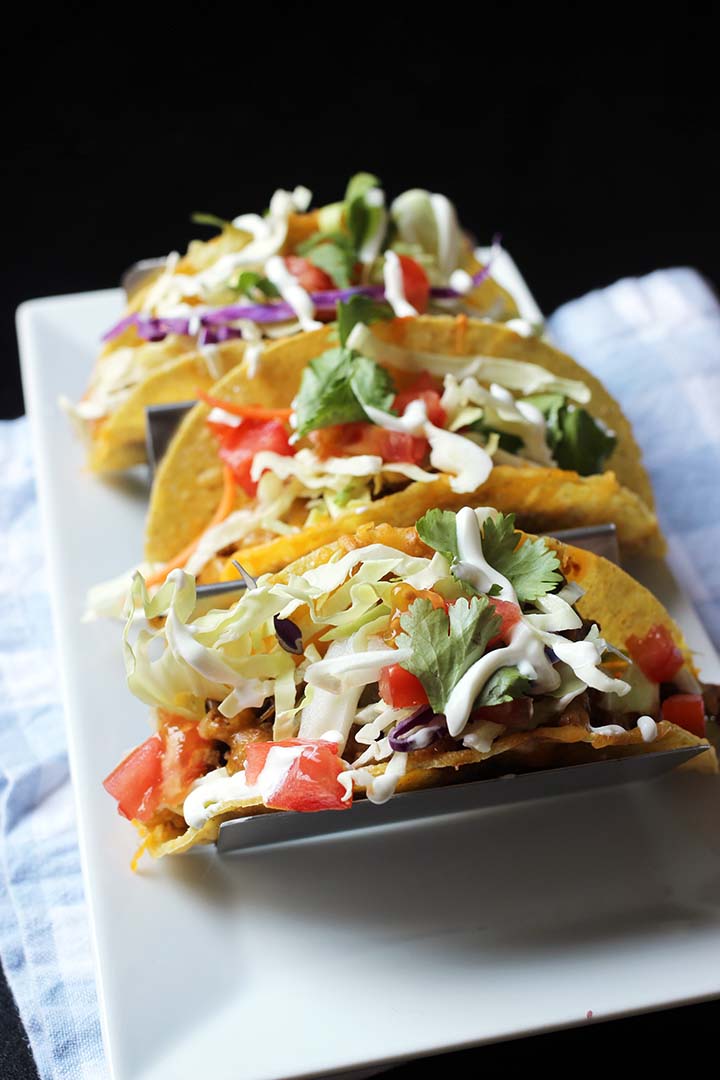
x,y
354,424
269,276
394,659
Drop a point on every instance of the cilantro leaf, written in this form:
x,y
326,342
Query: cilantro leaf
x,y
585,446
438,529
332,252
335,261
247,280
506,441
331,388
531,567
551,406
505,684
576,439
360,218
359,185
361,309
371,384
446,644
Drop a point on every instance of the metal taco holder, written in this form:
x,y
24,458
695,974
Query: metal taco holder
x,y
284,827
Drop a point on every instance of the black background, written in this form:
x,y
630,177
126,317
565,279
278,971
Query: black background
x,y
584,188
585,184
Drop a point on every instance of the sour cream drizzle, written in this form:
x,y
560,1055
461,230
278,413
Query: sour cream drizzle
x,y
394,287
292,292
527,647
474,567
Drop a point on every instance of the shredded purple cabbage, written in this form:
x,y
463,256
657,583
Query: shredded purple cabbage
x,y
417,731
213,324
289,635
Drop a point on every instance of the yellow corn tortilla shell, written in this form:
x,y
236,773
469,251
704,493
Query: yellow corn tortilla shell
x,y
118,440
618,603
189,482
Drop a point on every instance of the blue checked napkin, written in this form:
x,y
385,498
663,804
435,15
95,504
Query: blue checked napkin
x,y
655,342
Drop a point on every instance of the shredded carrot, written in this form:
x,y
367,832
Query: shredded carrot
x,y
227,501
139,854
247,412
461,325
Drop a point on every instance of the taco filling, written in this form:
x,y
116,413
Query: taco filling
x,y
359,430
272,275
387,661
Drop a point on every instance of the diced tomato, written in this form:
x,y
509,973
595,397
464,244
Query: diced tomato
x,y
416,284
257,754
160,771
137,781
187,756
510,614
311,783
400,689
516,715
311,277
687,711
424,388
239,445
656,654
359,437
424,380
397,446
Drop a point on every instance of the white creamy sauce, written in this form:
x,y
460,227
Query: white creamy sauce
x,y
521,327
378,788
211,355
648,728
210,791
376,751
583,657
267,235
469,464
273,773
607,729
475,568
461,282
394,288
412,422
525,651
253,353
222,416
292,292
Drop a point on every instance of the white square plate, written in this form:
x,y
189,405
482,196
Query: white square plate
x,y
362,949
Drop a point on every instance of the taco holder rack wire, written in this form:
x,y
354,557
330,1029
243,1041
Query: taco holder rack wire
x,y
265,830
